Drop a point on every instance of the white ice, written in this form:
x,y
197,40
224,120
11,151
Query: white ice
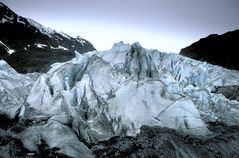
x,y
115,92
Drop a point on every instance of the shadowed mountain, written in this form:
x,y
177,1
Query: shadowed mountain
x,y
30,47
216,49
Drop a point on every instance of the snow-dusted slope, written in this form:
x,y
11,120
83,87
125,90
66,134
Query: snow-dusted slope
x,y
45,30
29,47
99,95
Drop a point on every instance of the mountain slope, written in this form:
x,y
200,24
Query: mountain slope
x,y
220,50
30,47
101,95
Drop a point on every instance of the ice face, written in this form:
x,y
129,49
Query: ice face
x,y
14,89
52,133
113,93
117,91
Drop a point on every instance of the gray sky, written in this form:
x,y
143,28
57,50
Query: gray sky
x,y
167,25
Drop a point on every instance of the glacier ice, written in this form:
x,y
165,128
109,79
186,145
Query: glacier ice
x,y
98,95
14,89
51,133
117,91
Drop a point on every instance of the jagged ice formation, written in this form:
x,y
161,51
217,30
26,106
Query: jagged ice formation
x,y
98,95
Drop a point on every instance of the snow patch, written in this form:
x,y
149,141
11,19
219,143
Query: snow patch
x,y
59,47
10,51
63,48
81,40
4,20
8,19
39,45
19,20
59,38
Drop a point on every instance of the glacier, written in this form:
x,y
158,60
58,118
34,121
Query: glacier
x,y
102,94
14,89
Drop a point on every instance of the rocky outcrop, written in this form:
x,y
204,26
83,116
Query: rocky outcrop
x,y
230,92
164,142
220,50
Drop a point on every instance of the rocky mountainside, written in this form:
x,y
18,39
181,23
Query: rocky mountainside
x,y
220,50
124,102
30,47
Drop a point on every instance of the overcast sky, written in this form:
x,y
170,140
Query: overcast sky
x,y
167,25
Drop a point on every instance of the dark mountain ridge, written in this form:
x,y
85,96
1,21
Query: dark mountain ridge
x,y
30,47
216,49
